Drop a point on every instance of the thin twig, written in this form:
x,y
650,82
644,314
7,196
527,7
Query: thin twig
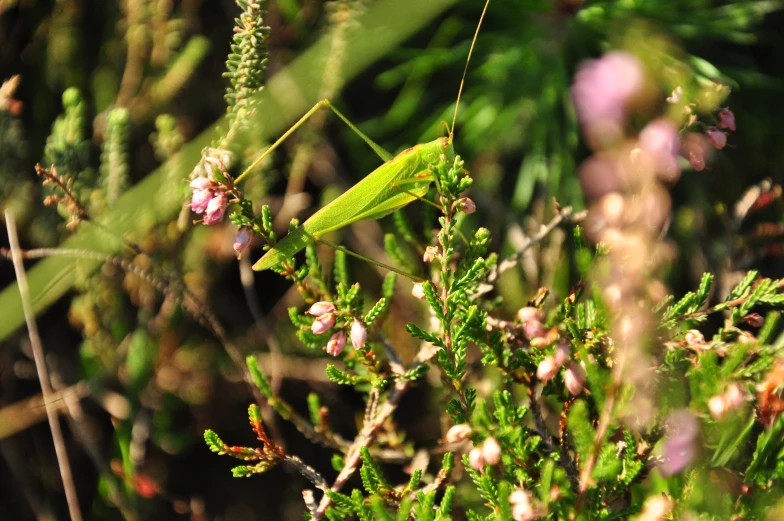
x,y
565,214
43,373
364,439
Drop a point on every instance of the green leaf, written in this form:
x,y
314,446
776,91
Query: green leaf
x,y
213,441
343,378
258,378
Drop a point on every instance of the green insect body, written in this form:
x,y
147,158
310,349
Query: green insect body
x,y
389,187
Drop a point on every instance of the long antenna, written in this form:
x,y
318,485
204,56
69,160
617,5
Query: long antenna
x,y
462,80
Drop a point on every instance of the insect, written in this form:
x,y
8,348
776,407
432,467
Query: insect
x,y
399,181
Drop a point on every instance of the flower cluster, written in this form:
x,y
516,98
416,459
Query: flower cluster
x,y
703,130
213,193
326,317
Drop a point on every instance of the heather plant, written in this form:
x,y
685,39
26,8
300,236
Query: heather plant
x,y
479,365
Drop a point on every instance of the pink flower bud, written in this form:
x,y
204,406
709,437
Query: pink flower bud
x,y
693,337
418,292
201,183
533,329
529,313
734,397
465,205
717,138
323,324
358,334
458,433
215,209
491,451
430,253
716,407
475,459
321,308
242,240
574,378
562,352
726,119
695,148
547,369
336,343
201,199
755,320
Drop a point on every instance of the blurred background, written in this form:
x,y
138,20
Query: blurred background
x,y
122,97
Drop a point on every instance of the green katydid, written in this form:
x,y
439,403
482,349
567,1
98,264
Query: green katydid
x,y
399,181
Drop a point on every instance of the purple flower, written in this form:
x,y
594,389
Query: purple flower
x,y
660,142
242,240
695,149
336,343
726,119
602,90
201,200
216,207
546,369
358,334
465,205
574,378
716,137
680,447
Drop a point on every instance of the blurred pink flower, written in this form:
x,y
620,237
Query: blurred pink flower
x,y
533,329
726,119
696,149
562,352
574,378
216,208
546,369
475,459
465,205
417,291
660,143
491,451
321,308
322,324
602,90
242,240
675,97
529,313
458,433
358,334
430,253
680,446
716,137
336,344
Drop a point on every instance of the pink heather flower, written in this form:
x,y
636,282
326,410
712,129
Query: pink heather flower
x,y
336,343
201,199
726,119
523,508
676,95
562,352
716,137
533,329
321,308
323,324
755,320
574,378
215,209
491,451
693,337
201,183
417,291
358,334
465,205
546,369
475,459
602,90
695,149
242,240
458,433
716,407
529,313
680,447
430,253
660,143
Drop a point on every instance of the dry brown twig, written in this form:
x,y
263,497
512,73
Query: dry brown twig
x,y
43,373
